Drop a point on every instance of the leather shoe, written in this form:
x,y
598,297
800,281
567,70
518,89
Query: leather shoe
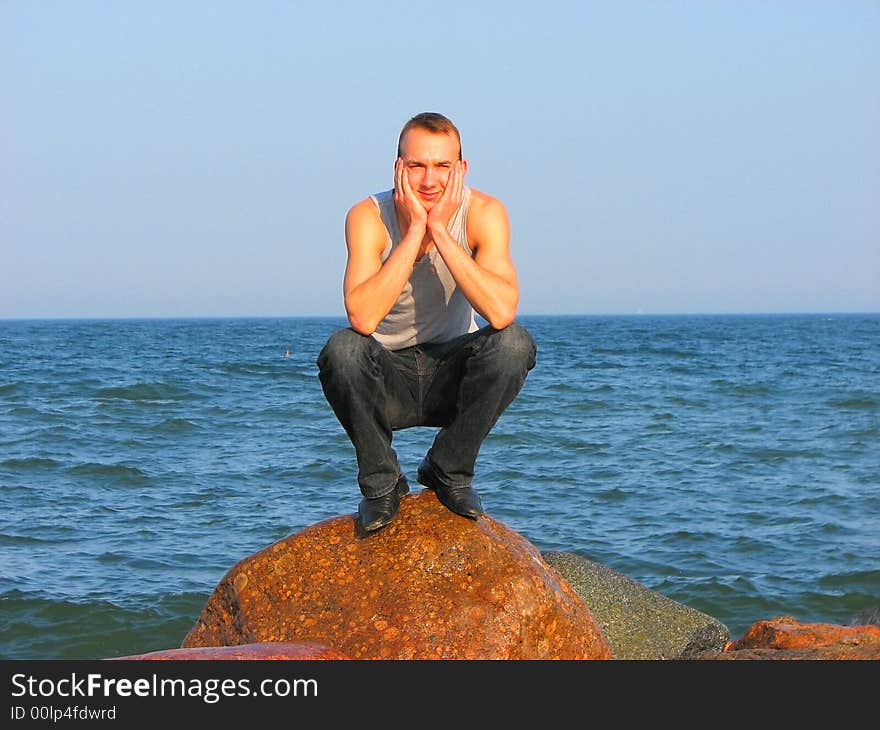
x,y
379,511
463,501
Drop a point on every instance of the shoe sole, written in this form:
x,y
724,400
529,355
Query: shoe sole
x,y
426,479
402,489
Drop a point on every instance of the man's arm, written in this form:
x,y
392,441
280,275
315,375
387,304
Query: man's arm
x,y
370,289
488,280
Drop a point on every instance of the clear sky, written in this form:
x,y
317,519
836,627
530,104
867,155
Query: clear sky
x,y
194,158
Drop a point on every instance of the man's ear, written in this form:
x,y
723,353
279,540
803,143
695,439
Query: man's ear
x,y
464,167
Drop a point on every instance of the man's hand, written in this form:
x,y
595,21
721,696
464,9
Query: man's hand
x,y
443,210
412,212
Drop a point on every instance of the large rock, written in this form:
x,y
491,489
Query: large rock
x,y
784,637
247,652
431,585
638,622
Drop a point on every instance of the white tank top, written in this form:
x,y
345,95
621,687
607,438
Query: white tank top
x,y
431,307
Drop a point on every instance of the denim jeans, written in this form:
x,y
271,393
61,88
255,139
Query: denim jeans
x,y
461,386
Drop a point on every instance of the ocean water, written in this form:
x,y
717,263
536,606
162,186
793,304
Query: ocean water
x,y
730,463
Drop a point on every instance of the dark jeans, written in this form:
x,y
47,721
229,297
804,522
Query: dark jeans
x,y
461,386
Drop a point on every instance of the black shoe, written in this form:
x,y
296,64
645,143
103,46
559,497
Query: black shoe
x,y
379,511
463,501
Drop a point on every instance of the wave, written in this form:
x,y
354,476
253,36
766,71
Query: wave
x,y
615,494
823,501
30,462
601,365
672,352
109,471
286,369
135,562
859,403
26,411
777,454
563,387
868,579
17,540
146,392
94,628
175,425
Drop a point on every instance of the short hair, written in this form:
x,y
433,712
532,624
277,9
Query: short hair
x,y
432,122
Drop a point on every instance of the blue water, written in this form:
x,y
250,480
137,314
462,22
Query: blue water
x,y
728,462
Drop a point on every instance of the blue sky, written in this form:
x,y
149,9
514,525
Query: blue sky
x,y
196,158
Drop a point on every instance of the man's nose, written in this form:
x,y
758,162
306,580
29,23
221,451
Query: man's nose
x,y
430,178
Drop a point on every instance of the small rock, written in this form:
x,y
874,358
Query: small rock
x,y
784,637
638,622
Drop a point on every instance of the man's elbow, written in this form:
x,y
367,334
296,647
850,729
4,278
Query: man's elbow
x,y
361,325
502,318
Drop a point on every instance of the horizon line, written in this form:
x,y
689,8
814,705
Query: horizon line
x,y
768,313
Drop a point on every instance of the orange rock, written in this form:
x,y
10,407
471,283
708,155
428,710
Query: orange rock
x,y
786,632
265,650
431,585
784,637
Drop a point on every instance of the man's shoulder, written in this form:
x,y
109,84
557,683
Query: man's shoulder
x,y
486,219
483,204
373,205
364,225
364,212
365,205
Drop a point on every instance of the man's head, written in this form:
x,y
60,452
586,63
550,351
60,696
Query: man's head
x,y
430,122
429,146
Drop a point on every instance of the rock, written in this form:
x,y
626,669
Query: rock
x,y
784,637
264,650
431,585
638,622
868,616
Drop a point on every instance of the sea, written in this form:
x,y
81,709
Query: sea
x,y
728,462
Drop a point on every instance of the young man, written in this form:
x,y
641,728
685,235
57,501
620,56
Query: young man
x,y
421,259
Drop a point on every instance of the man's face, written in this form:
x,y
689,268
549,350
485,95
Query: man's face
x,y
428,159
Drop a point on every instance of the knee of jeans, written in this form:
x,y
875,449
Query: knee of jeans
x,y
344,350
517,347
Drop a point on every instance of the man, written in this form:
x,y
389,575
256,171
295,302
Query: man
x,y
421,259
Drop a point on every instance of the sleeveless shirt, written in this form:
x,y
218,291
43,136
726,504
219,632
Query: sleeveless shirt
x,y
431,307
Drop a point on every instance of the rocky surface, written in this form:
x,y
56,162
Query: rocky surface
x,y
784,637
265,650
431,585
638,622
